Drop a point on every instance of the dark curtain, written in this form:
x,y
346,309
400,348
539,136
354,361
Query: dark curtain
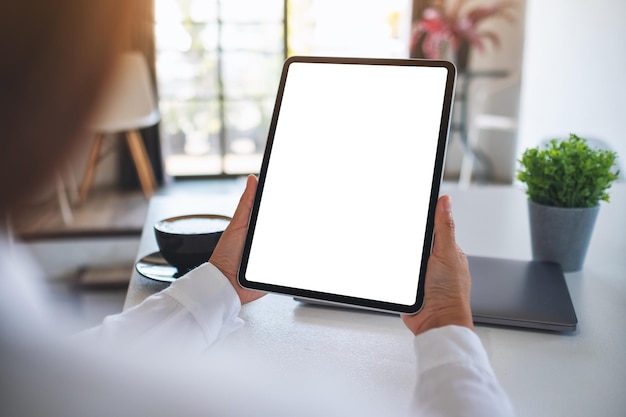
x,y
142,39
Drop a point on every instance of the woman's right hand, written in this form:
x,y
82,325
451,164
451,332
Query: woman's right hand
x,y
448,282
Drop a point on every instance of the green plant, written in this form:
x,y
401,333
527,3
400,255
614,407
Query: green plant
x,y
567,173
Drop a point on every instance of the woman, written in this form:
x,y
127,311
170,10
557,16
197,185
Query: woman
x,y
56,56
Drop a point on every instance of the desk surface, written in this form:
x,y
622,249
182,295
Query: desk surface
x,y
545,374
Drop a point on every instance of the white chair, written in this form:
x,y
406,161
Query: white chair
x,y
128,104
486,121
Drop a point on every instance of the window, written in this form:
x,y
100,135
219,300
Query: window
x,y
219,63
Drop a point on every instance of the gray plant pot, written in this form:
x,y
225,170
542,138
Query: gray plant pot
x,y
561,234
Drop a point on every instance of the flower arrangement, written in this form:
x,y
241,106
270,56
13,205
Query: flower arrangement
x,y
457,26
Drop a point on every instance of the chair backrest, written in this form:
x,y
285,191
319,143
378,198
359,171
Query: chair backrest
x,y
128,100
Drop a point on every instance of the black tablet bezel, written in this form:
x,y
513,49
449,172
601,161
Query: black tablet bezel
x,y
436,182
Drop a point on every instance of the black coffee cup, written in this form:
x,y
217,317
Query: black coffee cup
x,y
188,241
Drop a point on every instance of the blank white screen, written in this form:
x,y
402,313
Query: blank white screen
x,y
346,194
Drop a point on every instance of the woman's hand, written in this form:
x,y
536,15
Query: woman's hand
x,y
448,281
227,254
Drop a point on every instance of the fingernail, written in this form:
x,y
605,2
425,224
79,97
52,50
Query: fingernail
x,y
249,180
447,204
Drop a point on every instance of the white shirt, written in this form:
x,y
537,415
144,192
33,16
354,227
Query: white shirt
x,y
195,314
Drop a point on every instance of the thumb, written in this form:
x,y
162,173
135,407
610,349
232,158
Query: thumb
x,y
444,226
242,213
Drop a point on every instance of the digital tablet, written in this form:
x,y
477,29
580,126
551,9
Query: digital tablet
x,y
349,181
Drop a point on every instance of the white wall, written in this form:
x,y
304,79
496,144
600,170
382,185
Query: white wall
x,y
574,72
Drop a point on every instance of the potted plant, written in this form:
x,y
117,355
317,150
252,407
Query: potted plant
x,y
455,29
565,182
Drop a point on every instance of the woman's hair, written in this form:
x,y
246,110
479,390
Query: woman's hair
x,y
55,55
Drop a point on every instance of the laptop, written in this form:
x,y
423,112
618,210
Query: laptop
x,y
530,294
524,294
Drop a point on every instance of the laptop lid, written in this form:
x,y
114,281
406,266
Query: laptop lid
x,y
526,294
531,294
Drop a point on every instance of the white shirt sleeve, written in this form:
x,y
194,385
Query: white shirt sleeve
x,y
193,313
455,377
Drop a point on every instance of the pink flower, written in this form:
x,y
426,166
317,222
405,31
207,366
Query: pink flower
x,y
440,27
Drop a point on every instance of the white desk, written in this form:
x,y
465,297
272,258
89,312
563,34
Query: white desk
x,y
545,374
